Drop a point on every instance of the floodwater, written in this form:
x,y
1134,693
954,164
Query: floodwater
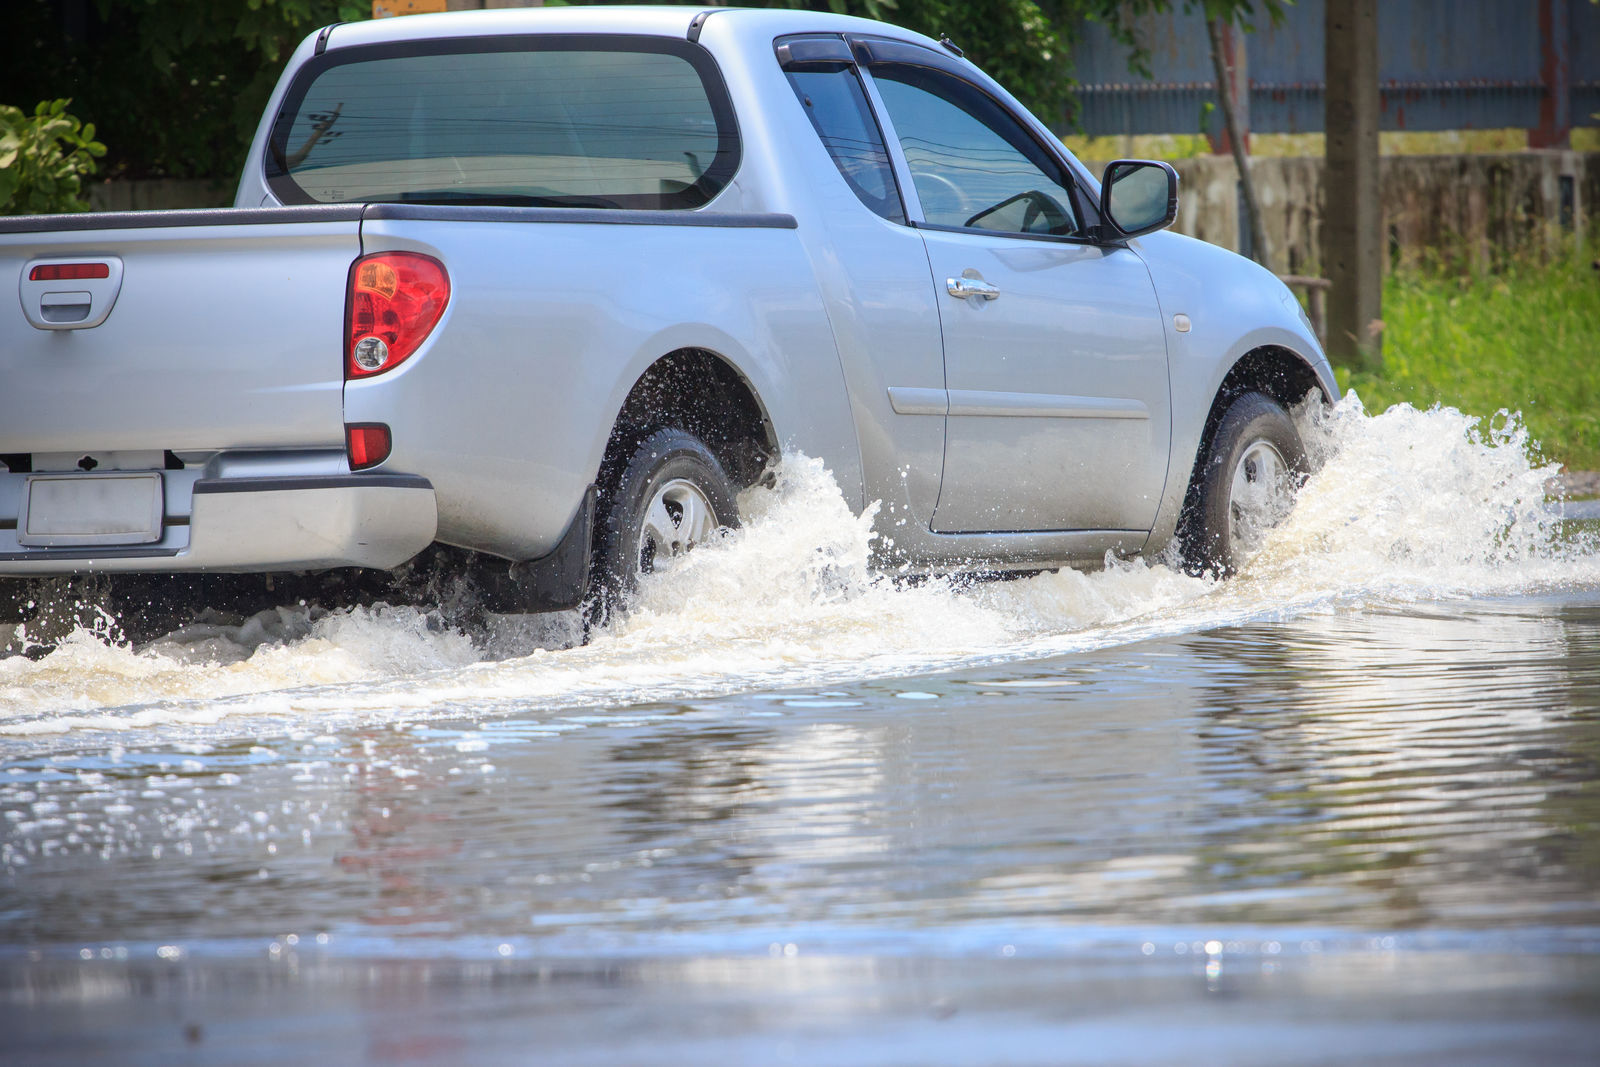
x,y
1342,808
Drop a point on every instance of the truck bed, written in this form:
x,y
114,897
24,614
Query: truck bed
x,y
224,333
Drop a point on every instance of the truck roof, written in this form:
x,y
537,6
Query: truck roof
x,y
661,21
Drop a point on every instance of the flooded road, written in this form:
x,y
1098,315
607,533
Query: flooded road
x,y
1344,807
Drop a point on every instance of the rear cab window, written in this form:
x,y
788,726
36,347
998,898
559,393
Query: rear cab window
x,y
823,76
594,121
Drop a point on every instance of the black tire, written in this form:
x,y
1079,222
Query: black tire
x,y
666,462
1216,533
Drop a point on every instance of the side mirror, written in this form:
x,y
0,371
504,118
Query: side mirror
x,y
1138,196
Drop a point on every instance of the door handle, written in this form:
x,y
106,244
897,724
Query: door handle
x,y
961,288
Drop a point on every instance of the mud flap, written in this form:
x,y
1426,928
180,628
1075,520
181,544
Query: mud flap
x,y
555,582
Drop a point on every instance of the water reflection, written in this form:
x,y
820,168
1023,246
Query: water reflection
x,y
1430,770
737,809
1423,770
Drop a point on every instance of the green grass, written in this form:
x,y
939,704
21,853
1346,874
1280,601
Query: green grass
x,y
1391,143
1525,339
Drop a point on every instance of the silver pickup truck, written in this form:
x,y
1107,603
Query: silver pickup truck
x,y
550,286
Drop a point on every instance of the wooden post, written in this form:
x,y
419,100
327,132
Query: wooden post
x,y
383,9
1352,224
1316,294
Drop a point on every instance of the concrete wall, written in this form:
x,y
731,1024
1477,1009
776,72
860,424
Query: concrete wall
x,y
159,194
1475,207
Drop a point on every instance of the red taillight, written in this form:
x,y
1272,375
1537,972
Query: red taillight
x,y
393,301
69,272
367,444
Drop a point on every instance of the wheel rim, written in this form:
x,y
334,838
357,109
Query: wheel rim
x,y
1259,498
679,517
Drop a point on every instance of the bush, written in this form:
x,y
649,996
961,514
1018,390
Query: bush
x,y
44,158
1524,338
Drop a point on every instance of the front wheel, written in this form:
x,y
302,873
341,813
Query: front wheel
x,y
671,495
1244,487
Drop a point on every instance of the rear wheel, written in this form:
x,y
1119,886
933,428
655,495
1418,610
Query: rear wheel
x,y
1244,487
671,495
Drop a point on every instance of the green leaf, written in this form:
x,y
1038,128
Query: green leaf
x,y
44,159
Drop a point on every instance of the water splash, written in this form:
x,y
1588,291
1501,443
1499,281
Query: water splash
x,y
1404,506
1425,502
86,683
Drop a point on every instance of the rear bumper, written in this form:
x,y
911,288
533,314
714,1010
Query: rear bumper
x,y
258,524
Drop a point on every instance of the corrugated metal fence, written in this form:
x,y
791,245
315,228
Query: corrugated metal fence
x,y
1444,65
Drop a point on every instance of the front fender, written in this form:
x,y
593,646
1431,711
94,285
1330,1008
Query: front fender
x,y
1234,307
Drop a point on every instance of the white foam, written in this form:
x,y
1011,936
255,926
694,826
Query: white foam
x,y
1407,505
84,678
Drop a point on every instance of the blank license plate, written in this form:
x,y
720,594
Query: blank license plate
x,y
102,509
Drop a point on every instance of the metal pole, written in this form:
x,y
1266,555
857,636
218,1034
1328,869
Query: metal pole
x,y
1352,225
1555,70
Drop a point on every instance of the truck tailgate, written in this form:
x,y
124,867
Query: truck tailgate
x,y
225,332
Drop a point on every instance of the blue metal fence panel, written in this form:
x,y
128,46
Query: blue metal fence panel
x,y
1114,100
1585,60
1443,65
1459,64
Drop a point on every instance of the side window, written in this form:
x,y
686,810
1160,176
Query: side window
x,y
973,165
834,100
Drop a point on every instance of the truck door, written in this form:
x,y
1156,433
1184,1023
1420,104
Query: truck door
x,y
873,272
1055,357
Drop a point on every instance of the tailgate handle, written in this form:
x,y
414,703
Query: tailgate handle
x,y
65,307
70,293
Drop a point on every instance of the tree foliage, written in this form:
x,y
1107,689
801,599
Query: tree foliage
x,y
1026,45
1122,17
181,83
44,158
1022,44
